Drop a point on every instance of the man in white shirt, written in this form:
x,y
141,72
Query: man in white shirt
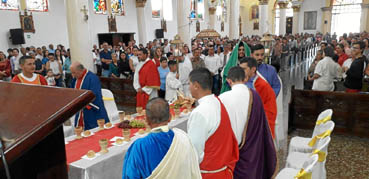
x,y
166,46
14,62
213,63
209,129
184,69
172,83
325,72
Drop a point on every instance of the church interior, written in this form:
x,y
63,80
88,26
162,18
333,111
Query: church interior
x,y
316,67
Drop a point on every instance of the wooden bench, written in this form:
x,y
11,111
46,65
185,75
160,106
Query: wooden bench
x,y
350,110
124,93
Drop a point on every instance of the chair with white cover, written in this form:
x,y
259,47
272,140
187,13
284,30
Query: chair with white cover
x,y
296,159
305,172
110,105
300,144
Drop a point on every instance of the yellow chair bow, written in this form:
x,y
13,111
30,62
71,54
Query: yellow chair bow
x,y
320,136
303,175
322,155
108,99
324,120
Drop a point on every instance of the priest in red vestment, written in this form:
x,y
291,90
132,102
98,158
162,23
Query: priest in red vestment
x,y
209,129
257,82
27,63
148,78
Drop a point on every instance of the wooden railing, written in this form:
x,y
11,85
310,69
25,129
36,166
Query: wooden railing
x,y
350,110
124,93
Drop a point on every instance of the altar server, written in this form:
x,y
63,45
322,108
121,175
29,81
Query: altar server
x,y
172,82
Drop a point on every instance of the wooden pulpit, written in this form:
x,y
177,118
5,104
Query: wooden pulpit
x,y
31,119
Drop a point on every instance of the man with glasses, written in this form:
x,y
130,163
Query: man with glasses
x,y
355,73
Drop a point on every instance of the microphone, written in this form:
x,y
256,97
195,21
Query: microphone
x,y
2,155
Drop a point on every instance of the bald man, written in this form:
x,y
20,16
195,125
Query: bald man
x,y
84,79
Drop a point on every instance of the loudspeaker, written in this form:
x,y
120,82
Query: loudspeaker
x,y
159,33
17,36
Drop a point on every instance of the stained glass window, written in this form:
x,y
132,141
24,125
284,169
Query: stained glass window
x,y
100,6
9,4
117,7
37,5
193,9
156,6
200,9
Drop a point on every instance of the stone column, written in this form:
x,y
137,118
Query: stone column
x,y
78,28
234,14
263,17
183,21
327,19
295,23
282,17
141,21
364,25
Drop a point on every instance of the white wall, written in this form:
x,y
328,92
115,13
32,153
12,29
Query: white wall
x,y
51,27
311,5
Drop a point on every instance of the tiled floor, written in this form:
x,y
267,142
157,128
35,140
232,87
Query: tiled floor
x,y
348,156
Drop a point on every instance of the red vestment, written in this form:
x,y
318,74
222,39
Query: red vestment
x,y
148,76
40,80
268,98
221,150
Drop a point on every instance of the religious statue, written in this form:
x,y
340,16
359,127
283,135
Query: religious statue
x,y
112,24
222,26
197,26
240,26
26,22
164,25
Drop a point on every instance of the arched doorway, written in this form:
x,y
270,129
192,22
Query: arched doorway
x,y
346,16
289,14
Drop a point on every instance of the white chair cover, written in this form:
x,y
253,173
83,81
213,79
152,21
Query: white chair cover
x,y
69,129
281,122
296,159
110,106
300,144
308,166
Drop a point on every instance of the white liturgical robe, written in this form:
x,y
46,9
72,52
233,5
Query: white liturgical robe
x,y
203,122
172,84
184,69
236,101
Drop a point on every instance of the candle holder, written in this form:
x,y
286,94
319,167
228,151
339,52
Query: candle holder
x,y
104,146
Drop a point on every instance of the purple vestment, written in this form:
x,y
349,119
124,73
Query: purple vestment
x,y
258,156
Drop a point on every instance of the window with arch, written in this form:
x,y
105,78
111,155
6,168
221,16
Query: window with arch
x,y
117,7
100,6
38,5
346,16
289,13
9,5
162,8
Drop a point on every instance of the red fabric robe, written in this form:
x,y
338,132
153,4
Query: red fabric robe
x,y
40,80
221,150
148,77
268,98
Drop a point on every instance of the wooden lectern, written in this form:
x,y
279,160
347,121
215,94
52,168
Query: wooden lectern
x,y
31,119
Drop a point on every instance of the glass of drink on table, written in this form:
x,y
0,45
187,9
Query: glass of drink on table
x,y
78,130
100,123
139,110
126,134
122,114
104,146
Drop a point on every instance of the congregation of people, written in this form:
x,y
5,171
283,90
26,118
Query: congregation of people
x,y
231,131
